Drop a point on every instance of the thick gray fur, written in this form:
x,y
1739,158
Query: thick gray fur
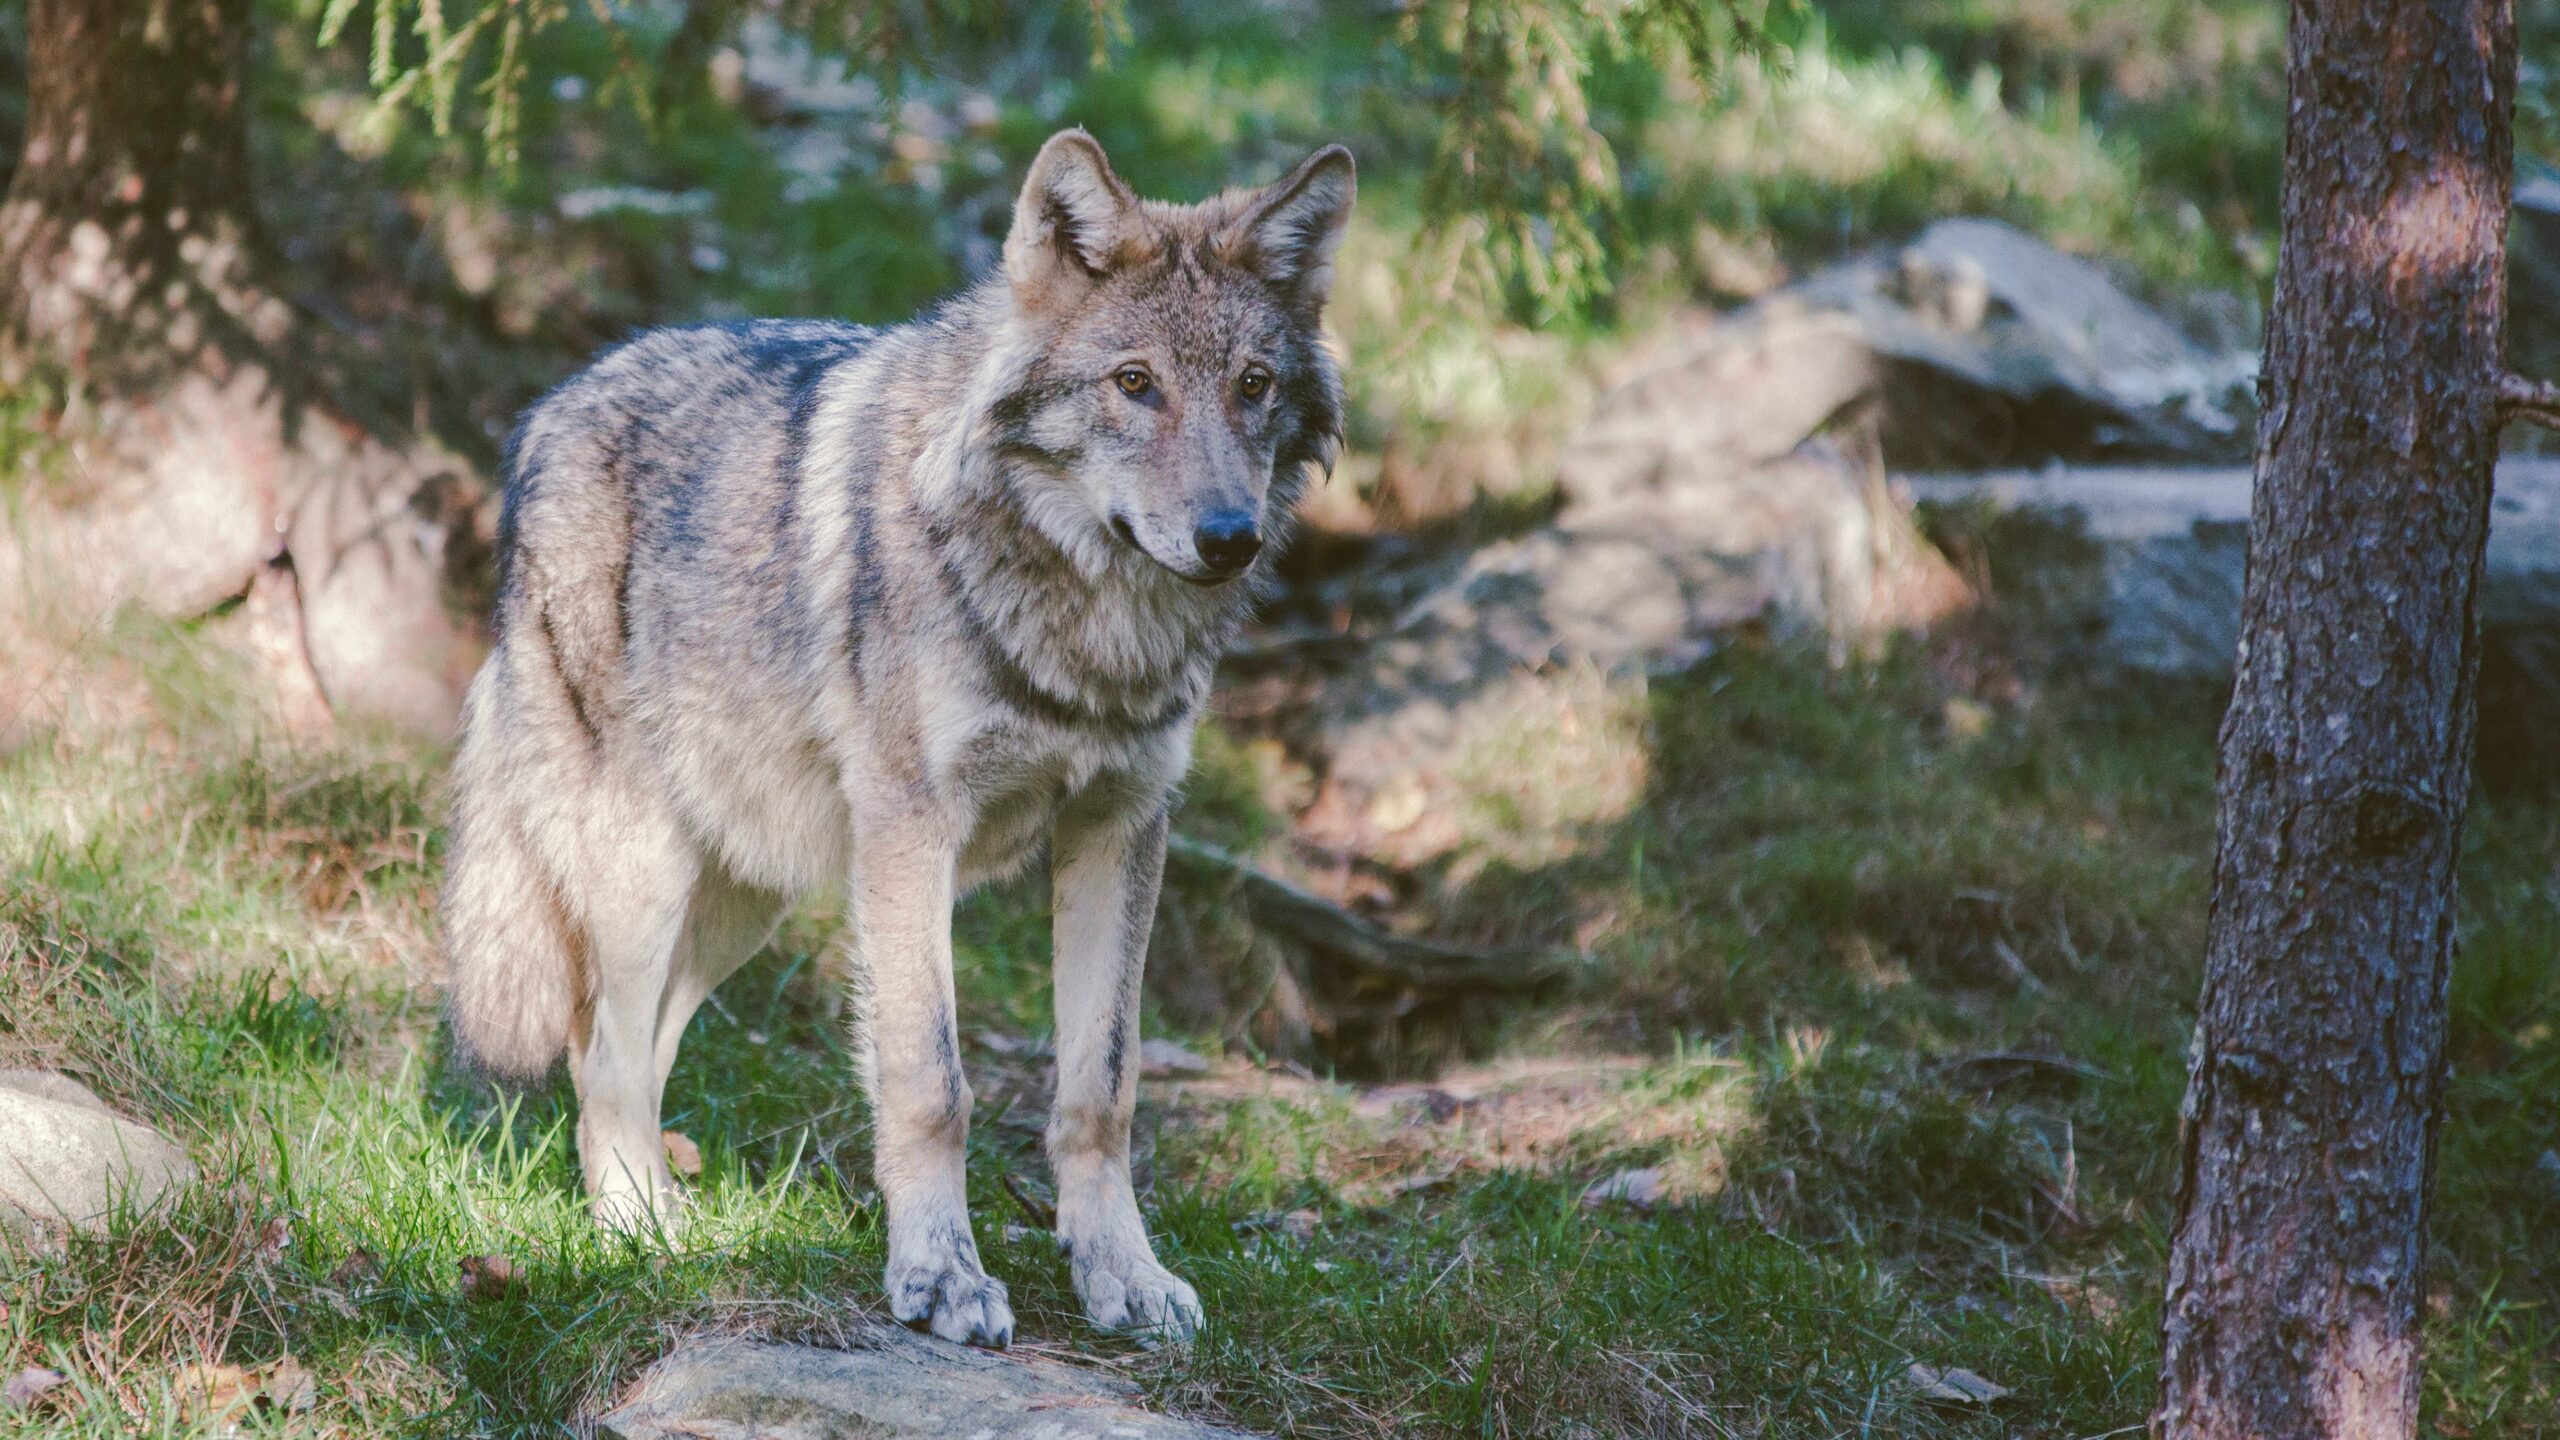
x,y
794,604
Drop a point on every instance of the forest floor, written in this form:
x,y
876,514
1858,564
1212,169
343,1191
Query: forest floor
x,y
1833,1132
1874,1052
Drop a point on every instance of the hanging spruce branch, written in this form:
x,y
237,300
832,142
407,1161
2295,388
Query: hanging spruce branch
x,y
1523,184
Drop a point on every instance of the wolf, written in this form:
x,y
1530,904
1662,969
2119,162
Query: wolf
x,y
792,604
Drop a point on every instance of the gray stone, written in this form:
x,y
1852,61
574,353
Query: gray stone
x,y
896,1386
1996,348
2170,547
66,1159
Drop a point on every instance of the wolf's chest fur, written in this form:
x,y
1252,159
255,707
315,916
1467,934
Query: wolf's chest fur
x,y
815,588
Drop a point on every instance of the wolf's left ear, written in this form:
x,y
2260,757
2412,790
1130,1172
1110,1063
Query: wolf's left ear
x,y
1074,222
1288,234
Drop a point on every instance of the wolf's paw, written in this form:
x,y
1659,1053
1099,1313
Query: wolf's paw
x,y
639,1214
1134,1293
954,1299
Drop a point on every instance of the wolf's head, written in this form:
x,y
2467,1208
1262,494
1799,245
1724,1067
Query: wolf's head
x,y
1181,386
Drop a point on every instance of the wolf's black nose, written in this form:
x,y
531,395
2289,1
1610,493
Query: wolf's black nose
x,y
1227,541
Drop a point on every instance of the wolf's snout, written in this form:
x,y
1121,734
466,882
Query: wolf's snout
x,y
1227,541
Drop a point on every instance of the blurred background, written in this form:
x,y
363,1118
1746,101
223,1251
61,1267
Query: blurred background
x,y
1692,898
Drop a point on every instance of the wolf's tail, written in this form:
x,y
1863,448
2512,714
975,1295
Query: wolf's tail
x,y
515,974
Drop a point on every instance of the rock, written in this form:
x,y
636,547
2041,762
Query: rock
x,y
2169,547
381,547
66,1159
1635,1189
1994,348
2143,568
1161,1059
896,1386
1703,494
28,1386
1952,1386
1668,544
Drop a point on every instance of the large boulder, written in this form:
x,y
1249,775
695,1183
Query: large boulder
x,y
1642,580
896,1386
1738,480
1993,348
2142,568
68,1160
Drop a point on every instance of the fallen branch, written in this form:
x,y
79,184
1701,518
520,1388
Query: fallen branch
x,y
2534,400
1307,920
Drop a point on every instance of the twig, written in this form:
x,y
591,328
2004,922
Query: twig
x,y
2027,1060
1318,924
1041,1213
2534,400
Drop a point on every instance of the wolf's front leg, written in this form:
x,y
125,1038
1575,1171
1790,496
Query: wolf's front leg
x,y
1108,860
903,871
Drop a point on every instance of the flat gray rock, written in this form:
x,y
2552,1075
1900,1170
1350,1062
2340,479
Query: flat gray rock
x,y
66,1159
899,1386
2171,548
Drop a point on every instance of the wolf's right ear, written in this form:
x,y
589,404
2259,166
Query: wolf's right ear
x,y
1074,223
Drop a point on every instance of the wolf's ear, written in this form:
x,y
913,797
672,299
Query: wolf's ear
x,y
1289,232
1074,222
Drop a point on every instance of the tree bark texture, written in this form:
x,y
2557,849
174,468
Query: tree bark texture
x,y
134,292
2296,1280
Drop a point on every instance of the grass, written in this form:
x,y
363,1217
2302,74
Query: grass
x,y
1872,1148
1807,893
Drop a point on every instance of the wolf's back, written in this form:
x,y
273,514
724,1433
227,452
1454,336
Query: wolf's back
x,y
595,468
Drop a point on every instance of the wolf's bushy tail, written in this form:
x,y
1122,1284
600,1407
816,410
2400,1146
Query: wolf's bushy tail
x,y
514,973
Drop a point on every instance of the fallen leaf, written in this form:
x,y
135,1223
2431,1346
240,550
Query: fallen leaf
x,y
488,1277
1967,719
211,1391
683,1156
1641,1189
28,1386
1164,1060
288,1386
1952,1386
360,1268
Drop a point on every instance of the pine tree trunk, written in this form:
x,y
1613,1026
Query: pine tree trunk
x,y
136,291
2296,1271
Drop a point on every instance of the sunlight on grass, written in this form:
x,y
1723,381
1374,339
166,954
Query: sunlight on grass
x,y
1865,1148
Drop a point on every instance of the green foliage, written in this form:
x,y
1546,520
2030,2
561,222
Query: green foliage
x,y
423,53
1523,183
1521,191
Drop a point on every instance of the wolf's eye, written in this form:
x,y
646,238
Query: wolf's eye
x,y
1254,384
1134,380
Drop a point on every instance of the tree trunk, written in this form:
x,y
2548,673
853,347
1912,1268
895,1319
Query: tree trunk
x,y
2296,1269
135,291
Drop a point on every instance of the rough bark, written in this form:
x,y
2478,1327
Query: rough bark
x,y
2296,1275
134,291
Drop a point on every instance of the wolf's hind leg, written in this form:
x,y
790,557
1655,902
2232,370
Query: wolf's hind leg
x,y
632,913
727,922
903,878
1108,863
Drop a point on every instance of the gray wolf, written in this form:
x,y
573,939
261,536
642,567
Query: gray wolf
x,y
791,604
